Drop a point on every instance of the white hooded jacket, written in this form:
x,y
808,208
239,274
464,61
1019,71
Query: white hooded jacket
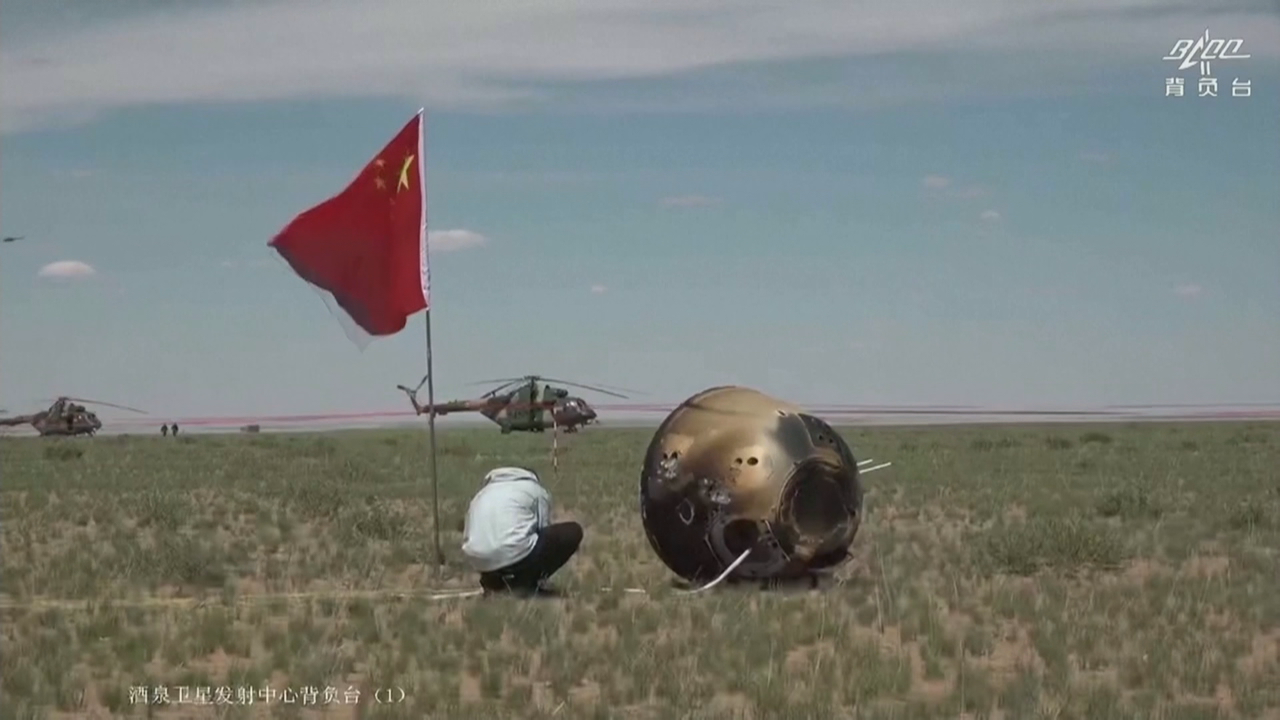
x,y
504,517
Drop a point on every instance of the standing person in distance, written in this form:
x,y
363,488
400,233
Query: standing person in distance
x,y
508,536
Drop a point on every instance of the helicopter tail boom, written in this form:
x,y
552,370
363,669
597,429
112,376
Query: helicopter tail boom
x,y
455,406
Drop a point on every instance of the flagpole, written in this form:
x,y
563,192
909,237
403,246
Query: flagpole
x,y
431,375
431,433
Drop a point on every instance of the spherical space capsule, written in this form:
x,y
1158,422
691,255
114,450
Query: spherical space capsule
x,y
733,469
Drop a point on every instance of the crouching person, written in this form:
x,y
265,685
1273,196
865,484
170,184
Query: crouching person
x,y
508,535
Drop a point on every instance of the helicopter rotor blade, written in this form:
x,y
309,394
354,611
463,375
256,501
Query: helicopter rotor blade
x,y
588,387
598,387
615,391
100,402
505,384
495,391
503,380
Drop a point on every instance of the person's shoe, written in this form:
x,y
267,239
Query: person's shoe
x,y
546,589
541,590
491,590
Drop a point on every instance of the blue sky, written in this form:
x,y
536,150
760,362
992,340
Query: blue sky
x,y
908,202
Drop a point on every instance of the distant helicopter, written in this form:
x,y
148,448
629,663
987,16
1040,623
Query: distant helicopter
x,y
525,404
65,418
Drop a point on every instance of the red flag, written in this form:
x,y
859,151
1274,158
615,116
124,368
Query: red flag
x,y
367,245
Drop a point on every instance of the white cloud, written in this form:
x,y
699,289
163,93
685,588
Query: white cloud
x,y
504,53
1189,290
66,270
598,289
450,240
945,185
990,216
689,201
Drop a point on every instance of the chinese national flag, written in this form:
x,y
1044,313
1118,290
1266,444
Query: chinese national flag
x,y
366,247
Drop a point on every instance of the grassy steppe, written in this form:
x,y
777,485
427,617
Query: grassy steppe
x,y
1061,571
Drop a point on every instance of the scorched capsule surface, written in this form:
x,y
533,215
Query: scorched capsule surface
x,y
732,468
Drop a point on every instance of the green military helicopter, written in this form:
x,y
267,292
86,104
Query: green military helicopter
x,y
525,404
65,417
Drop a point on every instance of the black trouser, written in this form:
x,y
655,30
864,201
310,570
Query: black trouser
x,y
556,544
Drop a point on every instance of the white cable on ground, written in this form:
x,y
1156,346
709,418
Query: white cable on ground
x,y
732,566
455,595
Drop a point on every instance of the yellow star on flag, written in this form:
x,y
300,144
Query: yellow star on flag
x,y
404,174
378,181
